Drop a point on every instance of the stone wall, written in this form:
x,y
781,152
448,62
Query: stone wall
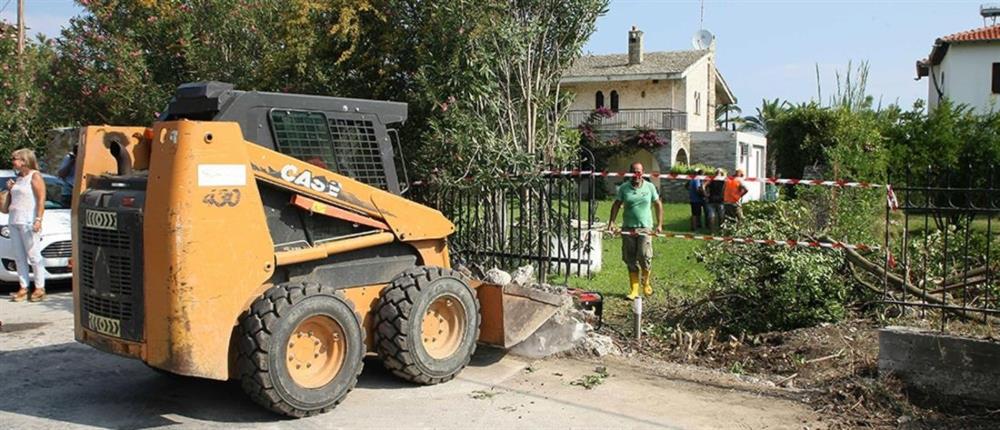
x,y
674,191
716,149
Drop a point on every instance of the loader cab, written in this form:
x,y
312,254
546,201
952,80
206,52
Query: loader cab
x,y
352,137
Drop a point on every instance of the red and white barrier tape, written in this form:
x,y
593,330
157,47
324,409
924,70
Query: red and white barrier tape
x,y
890,198
686,177
791,243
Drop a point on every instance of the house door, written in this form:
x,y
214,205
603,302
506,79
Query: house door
x,y
756,167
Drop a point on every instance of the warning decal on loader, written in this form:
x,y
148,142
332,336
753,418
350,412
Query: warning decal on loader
x,y
222,175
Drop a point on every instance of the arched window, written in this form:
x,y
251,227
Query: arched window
x,y
614,101
681,158
599,100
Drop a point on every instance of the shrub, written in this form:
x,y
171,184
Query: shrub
x,y
765,288
690,169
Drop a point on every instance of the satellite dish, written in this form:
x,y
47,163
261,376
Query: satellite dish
x,y
703,39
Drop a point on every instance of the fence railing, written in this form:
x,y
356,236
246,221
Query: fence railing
x,y
628,119
547,222
943,244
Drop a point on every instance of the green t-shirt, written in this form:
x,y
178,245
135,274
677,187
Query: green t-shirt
x,y
636,202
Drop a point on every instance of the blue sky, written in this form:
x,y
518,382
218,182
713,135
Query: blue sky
x,y
766,48
769,49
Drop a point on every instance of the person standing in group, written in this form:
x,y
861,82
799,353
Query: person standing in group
x,y
25,204
715,188
696,195
637,195
734,192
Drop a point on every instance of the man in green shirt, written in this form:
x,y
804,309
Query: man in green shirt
x,y
637,195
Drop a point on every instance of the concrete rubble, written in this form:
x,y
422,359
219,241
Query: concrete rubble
x,y
497,276
569,332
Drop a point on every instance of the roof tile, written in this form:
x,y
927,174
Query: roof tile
x,y
984,33
617,64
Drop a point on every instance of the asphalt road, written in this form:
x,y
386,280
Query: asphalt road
x,y
49,381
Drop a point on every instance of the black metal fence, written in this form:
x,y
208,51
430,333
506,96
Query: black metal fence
x,y
943,243
548,222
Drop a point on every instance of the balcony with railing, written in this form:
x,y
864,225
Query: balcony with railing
x,y
630,119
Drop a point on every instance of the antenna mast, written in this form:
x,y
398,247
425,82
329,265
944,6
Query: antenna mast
x,y
701,21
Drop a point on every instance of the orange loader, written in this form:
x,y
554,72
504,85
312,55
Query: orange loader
x,y
264,237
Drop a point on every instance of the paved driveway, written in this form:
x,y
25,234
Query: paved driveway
x,y
49,381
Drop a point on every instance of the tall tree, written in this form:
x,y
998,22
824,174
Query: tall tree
x,y
766,113
481,77
511,110
22,91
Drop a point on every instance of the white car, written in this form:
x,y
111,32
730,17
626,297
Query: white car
x,y
56,232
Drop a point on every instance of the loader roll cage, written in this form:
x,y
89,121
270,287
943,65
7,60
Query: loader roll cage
x,y
347,136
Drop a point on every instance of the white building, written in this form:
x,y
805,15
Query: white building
x,y
964,68
673,93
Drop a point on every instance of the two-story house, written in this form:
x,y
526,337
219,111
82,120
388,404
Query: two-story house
x,y
964,68
672,93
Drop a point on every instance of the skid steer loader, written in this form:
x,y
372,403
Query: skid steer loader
x,y
262,237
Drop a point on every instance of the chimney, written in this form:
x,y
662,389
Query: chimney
x,y
634,46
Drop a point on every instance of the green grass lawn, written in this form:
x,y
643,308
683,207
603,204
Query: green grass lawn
x,y
675,268
981,223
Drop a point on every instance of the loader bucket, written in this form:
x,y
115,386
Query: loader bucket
x,y
511,313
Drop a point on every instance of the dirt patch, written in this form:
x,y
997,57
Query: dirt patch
x,y
10,328
833,368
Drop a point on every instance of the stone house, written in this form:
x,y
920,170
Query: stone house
x,y
673,94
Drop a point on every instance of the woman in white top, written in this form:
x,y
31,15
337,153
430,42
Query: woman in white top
x,y
25,202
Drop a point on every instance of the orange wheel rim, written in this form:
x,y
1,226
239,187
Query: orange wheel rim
x,y
316,351
443,327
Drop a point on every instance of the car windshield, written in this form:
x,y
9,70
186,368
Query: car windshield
x,y
57,194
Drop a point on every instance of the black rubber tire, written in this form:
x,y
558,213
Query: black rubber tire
x,y
399,322
264,333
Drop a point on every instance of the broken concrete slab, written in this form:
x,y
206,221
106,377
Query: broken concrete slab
x,y
560,333
596,345
943,368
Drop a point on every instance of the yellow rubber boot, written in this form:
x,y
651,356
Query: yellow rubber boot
x,y
647,283
633,278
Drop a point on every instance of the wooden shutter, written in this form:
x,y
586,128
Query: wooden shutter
x,y
996,78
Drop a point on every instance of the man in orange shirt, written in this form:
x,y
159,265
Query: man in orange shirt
x,y
732,195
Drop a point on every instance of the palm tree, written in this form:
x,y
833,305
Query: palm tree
x,y
767,112
726,115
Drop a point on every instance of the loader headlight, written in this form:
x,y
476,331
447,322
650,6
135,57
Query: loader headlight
x,y
5,231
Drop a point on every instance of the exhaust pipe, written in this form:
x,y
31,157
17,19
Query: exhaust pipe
x,y
122,158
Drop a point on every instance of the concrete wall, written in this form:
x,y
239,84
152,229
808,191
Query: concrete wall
x,y
663,94
965,75
942,367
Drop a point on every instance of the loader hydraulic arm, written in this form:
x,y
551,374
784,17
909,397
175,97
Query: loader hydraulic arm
x,y
339,196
